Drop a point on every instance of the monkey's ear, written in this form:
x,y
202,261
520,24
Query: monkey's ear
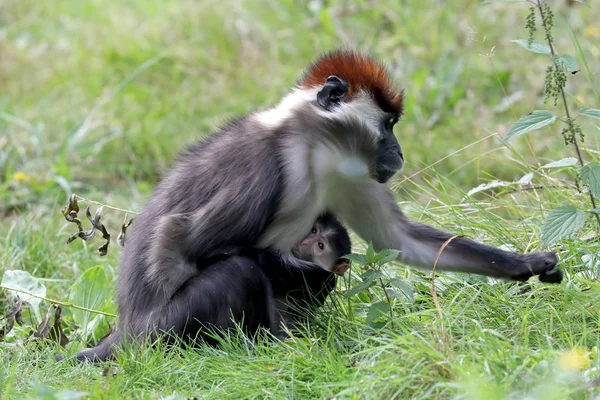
x,y
341,266
334,92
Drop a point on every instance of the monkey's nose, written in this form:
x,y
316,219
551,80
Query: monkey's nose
x,y
398,150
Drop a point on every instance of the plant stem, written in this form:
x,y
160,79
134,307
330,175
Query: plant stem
x,y
564,99
61,303
105,205
389,302
348,279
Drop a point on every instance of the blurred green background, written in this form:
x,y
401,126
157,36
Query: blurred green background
x,y
98,97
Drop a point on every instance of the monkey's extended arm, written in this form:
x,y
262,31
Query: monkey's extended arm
x,y
375,216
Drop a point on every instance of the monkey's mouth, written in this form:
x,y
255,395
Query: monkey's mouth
x,y
384,174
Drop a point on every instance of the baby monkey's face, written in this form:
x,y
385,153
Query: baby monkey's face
x,y
318,247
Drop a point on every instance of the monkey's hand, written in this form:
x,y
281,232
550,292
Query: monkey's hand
x,y
542,264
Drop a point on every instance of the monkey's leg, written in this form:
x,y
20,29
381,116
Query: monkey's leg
x,y
374,214
304,290
227,292
281,319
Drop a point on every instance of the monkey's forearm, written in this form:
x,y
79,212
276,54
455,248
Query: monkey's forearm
x,y
420,244
381,221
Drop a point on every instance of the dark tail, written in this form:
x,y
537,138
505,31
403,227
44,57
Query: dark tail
x,y
104,350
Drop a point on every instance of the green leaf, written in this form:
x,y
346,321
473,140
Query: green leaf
x,y
590,176
536,47
590,112
22,280
565,162
567,63
386,256
98,326
377,310
363,297
360,259
503,1
560,223
369,278
530,122
525,179
403,286
92,290
372,275
354,290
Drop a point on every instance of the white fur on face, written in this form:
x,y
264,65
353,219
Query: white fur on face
x,y
361,109
353,167
328,159
274,117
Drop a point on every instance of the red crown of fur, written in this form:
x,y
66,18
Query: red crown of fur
x,y
361,72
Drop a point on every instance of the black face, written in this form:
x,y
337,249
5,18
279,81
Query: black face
x,y
389,156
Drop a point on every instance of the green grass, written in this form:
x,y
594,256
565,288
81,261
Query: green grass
x,y
98,97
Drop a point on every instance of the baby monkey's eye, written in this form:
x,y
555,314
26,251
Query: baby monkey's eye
x,y
321,245
313,230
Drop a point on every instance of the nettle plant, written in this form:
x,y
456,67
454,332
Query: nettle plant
x,y
566,220
373,276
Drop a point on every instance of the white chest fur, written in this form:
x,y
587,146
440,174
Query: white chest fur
x,y
311,176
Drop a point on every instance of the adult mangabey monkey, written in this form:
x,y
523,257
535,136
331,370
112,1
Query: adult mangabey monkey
x,y
263,179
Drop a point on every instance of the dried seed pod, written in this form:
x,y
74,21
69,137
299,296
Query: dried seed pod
x,y
14,313
56,331
97,225
121,237
71,216
42,331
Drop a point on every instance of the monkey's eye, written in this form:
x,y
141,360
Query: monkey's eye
x,y
321,245
313,230
391,122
